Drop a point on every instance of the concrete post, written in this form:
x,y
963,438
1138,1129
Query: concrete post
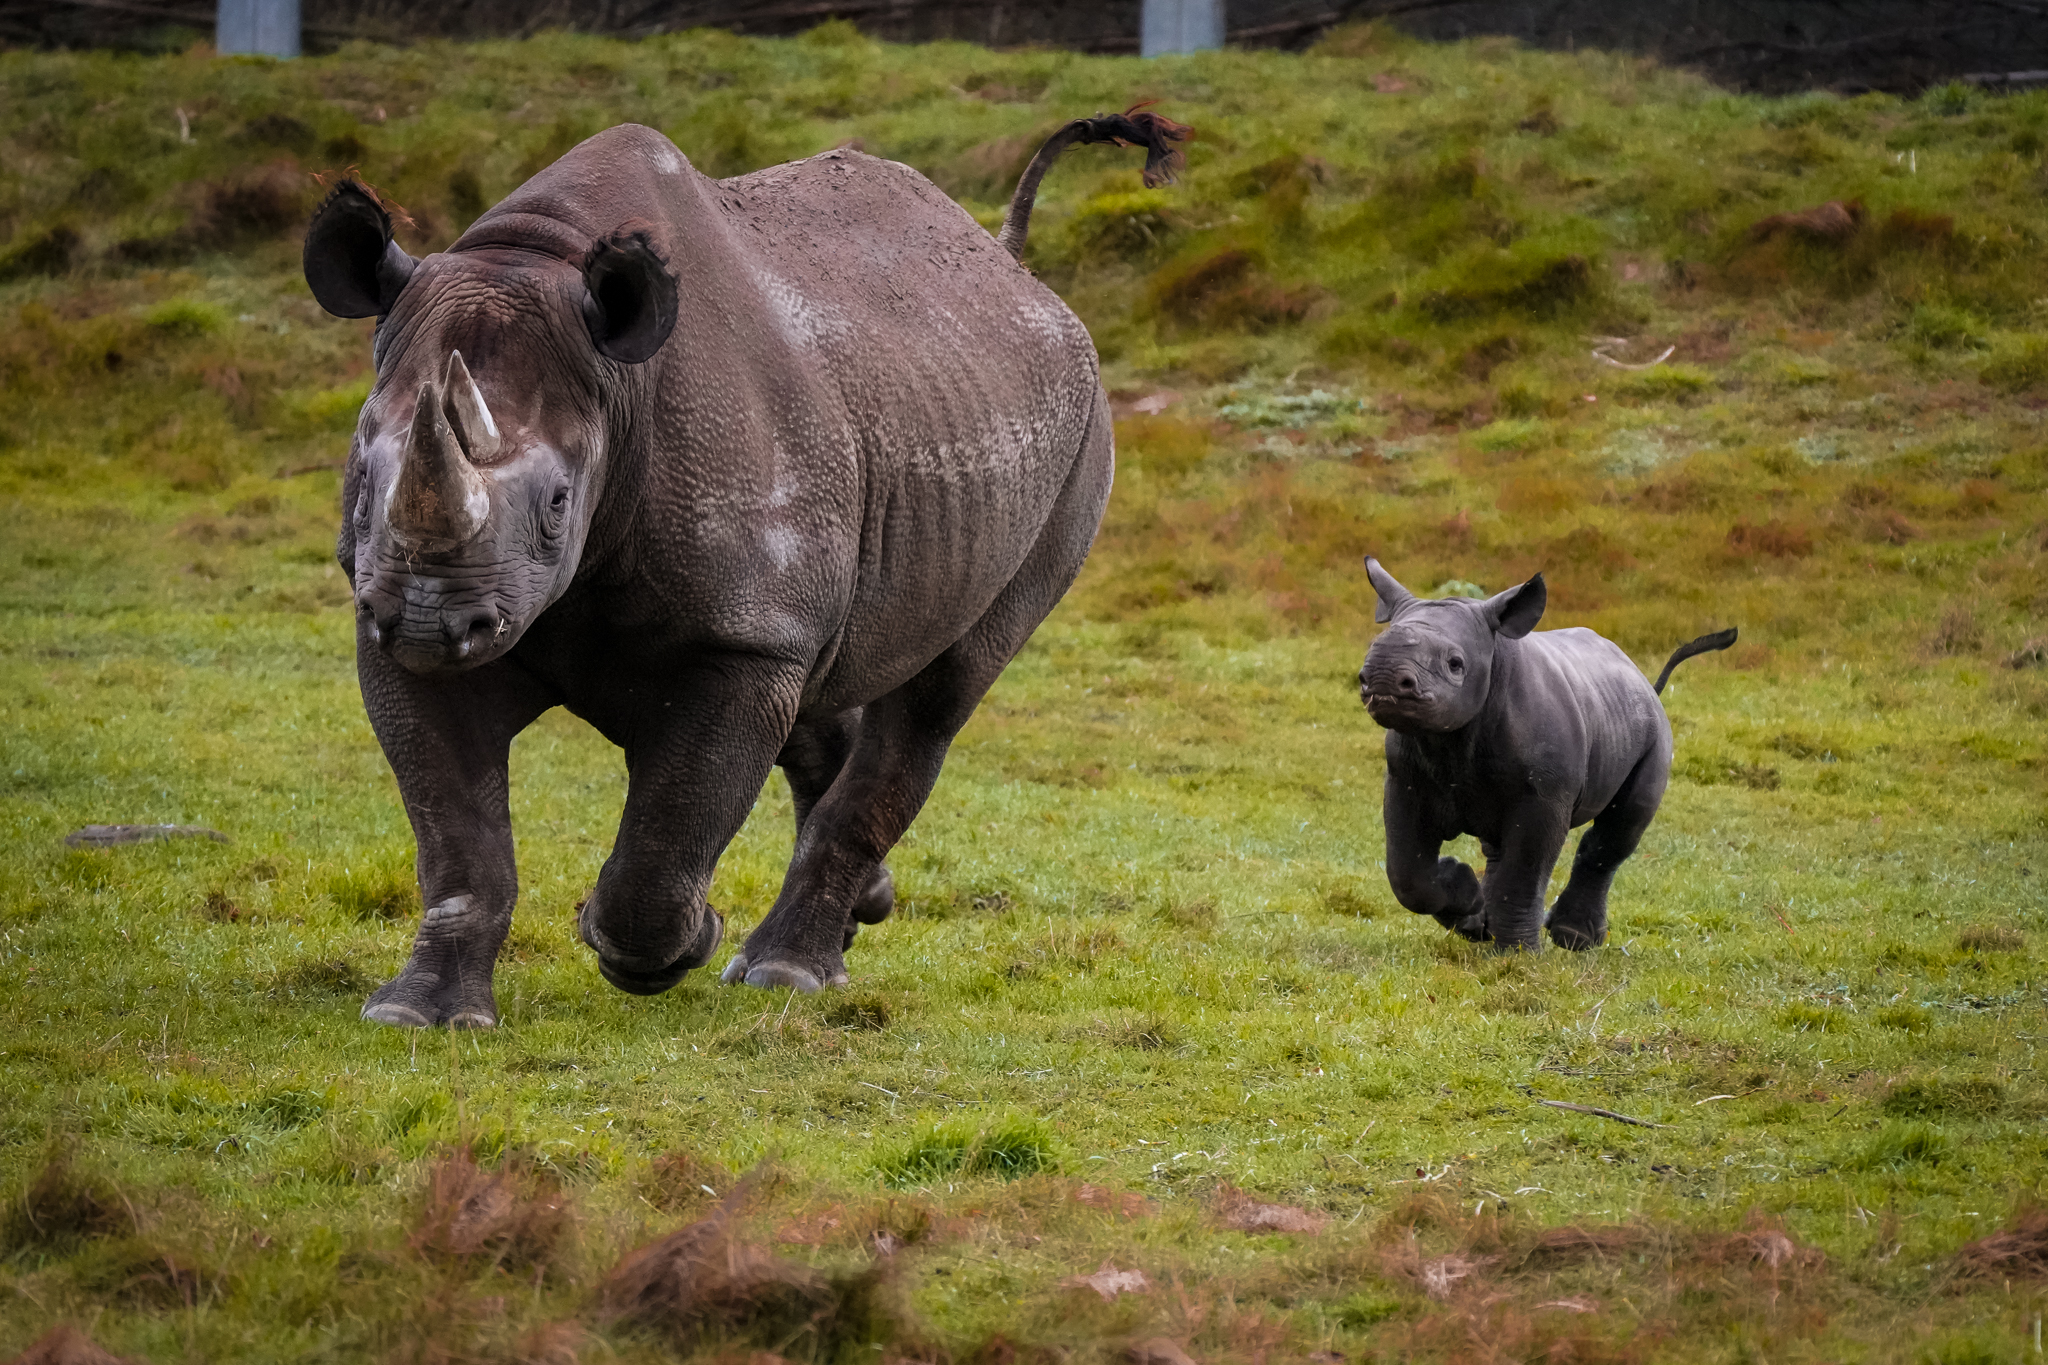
x,y
268,28
1180,26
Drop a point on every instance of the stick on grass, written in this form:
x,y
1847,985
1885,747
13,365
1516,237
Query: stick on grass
x,y
1601,1113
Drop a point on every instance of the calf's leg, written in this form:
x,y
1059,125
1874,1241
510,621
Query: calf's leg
x,y
448,740
1517,880
1422,881
1579,918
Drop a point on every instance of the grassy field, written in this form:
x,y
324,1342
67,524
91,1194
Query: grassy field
x,y
1148,1051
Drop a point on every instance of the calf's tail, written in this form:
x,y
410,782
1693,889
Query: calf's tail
x,y
1706,644
1164,160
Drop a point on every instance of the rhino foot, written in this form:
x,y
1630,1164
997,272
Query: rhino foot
x,y
419,997
1576,936
775,973
636,981
1469,926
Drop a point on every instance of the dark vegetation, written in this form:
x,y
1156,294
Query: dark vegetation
x,y
1148,1054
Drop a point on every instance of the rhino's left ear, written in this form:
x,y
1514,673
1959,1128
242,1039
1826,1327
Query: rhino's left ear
x,y
1515,612
629,299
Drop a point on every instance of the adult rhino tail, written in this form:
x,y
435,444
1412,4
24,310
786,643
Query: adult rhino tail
x,y
1706,644
1164,160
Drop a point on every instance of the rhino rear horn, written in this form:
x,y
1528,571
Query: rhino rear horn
x,y
629,299
469,417
1392,595
440,500
352,266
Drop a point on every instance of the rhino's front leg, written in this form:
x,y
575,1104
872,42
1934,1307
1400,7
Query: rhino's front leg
x,y
447,740
699,745
1422,881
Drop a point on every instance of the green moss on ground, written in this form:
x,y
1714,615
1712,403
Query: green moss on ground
x,y
1145,956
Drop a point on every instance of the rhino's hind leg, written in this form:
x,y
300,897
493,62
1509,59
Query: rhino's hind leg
x,y
812,759
837,879
1578,919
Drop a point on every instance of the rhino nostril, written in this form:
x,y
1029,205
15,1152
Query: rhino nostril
x,y
1406,682
472,631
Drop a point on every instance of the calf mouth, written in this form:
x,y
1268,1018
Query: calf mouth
x,y
1392,711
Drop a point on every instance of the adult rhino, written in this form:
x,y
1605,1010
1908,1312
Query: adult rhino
x,y
781,469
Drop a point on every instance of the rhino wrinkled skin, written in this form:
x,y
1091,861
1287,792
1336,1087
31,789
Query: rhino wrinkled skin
x,y
781,469
1516,739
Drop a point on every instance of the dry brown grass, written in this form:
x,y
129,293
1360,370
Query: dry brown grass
x,y
705,1283
516,1220
2017,1251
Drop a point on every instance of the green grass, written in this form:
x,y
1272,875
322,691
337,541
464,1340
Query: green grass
x,y
1145,954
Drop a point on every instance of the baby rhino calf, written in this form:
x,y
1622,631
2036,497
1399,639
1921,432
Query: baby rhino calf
x,y
1516,739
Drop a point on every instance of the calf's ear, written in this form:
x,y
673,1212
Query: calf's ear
x,y
1514,613
1392,595
352,266
629,299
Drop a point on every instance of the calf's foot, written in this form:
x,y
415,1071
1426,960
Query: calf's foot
x,y
1577,933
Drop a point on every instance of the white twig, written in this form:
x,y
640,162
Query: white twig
x,y
1599,354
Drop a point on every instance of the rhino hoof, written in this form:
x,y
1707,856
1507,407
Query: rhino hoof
x,y
643,983
396,1015
420,997
777,976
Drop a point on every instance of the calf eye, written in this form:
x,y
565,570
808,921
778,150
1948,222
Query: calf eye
x,y
560,501
1457,665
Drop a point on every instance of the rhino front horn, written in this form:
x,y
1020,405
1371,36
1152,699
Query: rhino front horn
x,y
441,500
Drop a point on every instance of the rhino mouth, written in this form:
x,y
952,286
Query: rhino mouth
x,y
1395,711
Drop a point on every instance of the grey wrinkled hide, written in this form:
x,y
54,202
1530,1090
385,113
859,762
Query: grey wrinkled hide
x,y
1516,739
807,526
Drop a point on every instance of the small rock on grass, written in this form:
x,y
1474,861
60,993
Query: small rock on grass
x,y
1240,1212
110,836
1156,1351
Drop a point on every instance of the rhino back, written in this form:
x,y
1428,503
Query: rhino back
x,y
961,389
1576,682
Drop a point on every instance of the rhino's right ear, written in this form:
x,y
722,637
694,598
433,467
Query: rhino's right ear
x,y
352,266
1392,595
629,300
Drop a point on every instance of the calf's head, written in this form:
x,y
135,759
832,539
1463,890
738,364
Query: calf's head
x,y
1431,669
481,452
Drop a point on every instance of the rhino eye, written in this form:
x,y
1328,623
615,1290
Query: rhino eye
x,y
1457,665
560,501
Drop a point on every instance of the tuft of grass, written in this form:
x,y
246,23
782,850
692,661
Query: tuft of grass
x,y
63,1205
1899,1146
1991,938
1009,1149
1918,1099
863,1010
